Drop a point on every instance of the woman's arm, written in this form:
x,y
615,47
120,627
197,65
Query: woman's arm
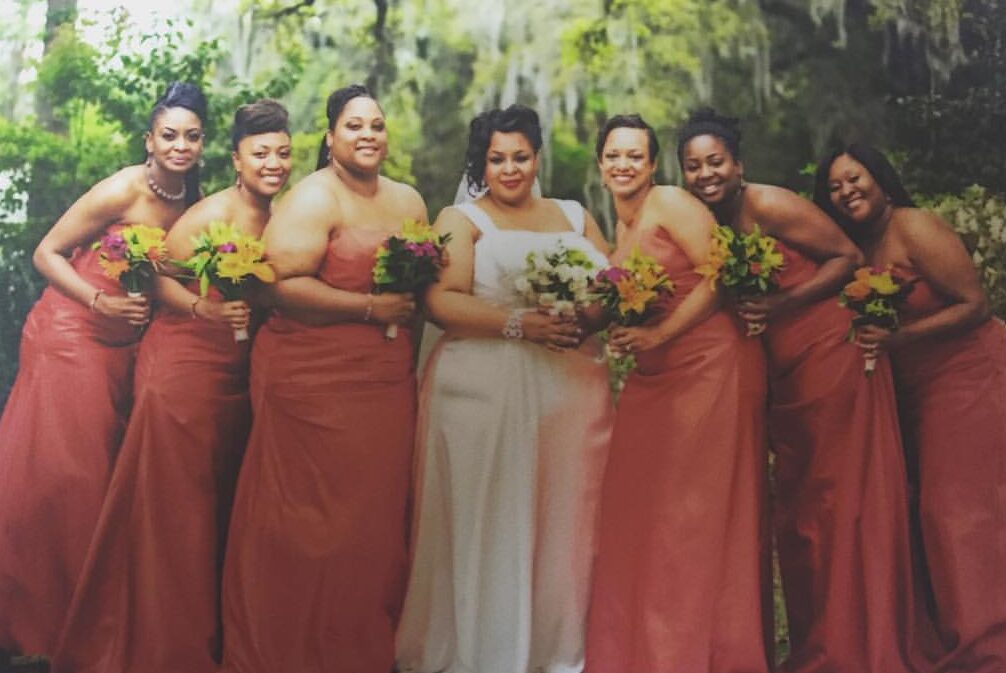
x,y
938,255
802,225
296,240
453,307
690,225
104,204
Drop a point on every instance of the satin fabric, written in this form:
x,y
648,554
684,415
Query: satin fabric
x,y
148,597
682,583
841,511
316,560
512,443
59,435
952,391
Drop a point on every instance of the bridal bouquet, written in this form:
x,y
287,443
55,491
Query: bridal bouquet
x,y
629,291
226,258
746,265
874,296
409,262
558,280
132,255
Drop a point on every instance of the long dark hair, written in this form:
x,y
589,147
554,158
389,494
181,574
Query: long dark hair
x,y
880,169
333,108
706,121
190,97
629,121
514,119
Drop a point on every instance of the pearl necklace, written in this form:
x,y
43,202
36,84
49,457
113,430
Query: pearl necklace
x,y
163,193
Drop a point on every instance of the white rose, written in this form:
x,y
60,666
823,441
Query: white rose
x,y
522,284
564,307
547,299
565,272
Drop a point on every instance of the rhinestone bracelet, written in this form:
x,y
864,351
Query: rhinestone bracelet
x,y
513,328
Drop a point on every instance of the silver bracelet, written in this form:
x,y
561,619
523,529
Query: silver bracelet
x,y
513,328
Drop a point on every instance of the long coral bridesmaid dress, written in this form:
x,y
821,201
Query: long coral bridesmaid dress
x,y
681,583
841,511
148,597
952,392
316,560
58,438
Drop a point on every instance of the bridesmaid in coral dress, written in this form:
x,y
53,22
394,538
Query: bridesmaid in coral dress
x,y
147,600
681,583
315,565
841,509
950,368
67,411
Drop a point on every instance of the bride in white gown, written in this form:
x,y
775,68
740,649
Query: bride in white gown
x,y
513,432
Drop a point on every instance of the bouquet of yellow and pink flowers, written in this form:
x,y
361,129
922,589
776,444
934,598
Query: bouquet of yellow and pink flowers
x,y
558,280
629,291
409,262
132,255
745,265
226,258
874,296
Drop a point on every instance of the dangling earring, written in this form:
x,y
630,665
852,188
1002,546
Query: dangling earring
x,y
150,160
202,162
237,181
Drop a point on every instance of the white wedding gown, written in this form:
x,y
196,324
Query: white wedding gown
x,y
512,440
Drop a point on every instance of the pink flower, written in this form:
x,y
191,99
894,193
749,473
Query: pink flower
x,y
114,247
613,274
227,247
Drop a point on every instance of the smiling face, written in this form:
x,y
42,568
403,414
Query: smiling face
x,y
711,172
626,165
262,162
511,166
175,142
359,139
854,192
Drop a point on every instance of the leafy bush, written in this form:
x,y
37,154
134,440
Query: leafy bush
x,y
20,286
980,218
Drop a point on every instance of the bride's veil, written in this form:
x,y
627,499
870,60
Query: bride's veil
x,y
432,333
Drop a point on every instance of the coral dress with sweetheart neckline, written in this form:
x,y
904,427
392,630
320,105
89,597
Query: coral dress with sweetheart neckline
x,y
952,392
682,582
316,558
59,435
148,597
841,510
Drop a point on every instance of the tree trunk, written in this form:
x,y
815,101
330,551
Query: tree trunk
x,y
58,13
